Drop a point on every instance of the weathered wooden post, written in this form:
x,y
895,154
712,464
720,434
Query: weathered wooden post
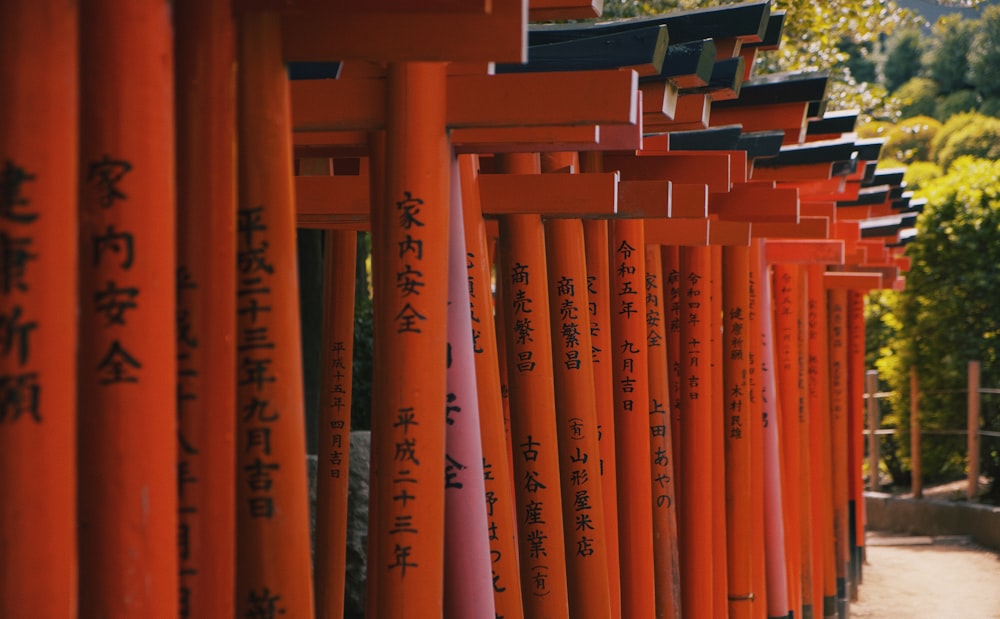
x,y
128,344
206,305
274,572
916,475
974,419
39,154
871,387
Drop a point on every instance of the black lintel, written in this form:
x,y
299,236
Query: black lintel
x,y
824,151
868,196
687,65
726,137
806,86
761,143
633,48
901,204
869,149
868,178
817,108
747,19
844,168
915,205
896,192
772,33
313,70
889,225
727,75
833,123
888,176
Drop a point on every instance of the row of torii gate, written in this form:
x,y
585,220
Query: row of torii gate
x,y
653,406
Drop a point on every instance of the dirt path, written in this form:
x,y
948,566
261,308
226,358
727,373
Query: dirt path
x,y
928,578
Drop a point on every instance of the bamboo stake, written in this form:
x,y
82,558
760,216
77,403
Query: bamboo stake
x,y
916,481
576,416
532,403
39,151
333,454
738,430
695,493
820,442
498,485
630,356
666,560
127,347
595,233
206,305
974,408
411,330
274,573
467,568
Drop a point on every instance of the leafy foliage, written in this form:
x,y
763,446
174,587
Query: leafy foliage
x,y
910,140
984,53
917,97
902,60
919,173
965,100
946,60
948,314
979,139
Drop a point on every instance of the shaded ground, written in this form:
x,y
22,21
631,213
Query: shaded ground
x,y
928,578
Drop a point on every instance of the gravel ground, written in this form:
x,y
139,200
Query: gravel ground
x,y
927,578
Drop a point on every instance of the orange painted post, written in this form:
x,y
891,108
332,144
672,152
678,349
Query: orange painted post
x,y
127,347
467,569
576,418
408,459
820,443
499,489
274,572
774,522
206,305
39,152
666,557
838,426
917,482
595,233
333,451
755,317
855,433
812,594
720,575
631,390
973,414
739,429
670,257
695,493
790,412
524,278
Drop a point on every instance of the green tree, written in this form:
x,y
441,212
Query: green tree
x,y
948,315
910,140
946,60
902,59
950,127
919,173
917,97
965,100
984,53
979,139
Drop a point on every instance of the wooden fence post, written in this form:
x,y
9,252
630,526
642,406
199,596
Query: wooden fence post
x,y
972,491
917,482
871,386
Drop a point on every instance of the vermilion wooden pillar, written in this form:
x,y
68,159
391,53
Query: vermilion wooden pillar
x,y
838,427
855,432
127,348
666,559
206,305
631,389
755,318
820,439
739,429
576,416
274,572
409,455
670,257
695,492
812,598
599,293
720,587
523,276
498,489
39,153
469,590
333,452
